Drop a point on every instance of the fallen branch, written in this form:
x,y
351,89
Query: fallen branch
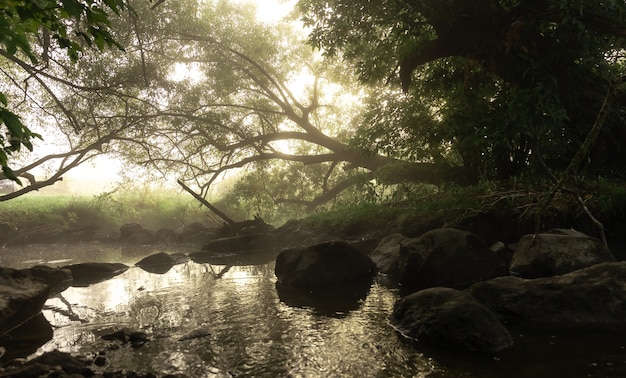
x,y
207,204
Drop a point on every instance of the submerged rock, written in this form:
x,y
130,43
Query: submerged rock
x,y
54,363
322,264
594,296
241,243
21,298
446,257
162,262
450,319
85,274
557,252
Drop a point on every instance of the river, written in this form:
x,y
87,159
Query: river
x,y
252,332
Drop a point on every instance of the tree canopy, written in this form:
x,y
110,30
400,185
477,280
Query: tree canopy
x,y
502,80
445,91
70,25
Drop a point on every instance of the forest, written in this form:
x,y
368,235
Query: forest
x,y
342,102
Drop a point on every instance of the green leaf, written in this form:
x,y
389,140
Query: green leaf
x,y
13,123
3,99
73,7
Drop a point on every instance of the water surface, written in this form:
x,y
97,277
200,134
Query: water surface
x,y
253,332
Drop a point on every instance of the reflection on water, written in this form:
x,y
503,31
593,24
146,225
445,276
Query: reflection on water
x,y
252,331
256,330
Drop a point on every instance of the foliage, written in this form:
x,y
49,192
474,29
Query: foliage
x,y
490,85
69,24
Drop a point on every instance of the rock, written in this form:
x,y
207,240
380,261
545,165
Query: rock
x,y
558,252
167,236
6,232
594,296
58,279
386,255
127,335
241,243
451,319
134,233
25,339
49,363
85,274
196,334
196,232
446,257
162,262
21,298
322,264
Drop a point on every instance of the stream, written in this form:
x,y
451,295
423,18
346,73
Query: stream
x,y
245,328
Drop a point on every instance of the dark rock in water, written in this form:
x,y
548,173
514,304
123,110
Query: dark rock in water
x,y
241,243
25,339
127,335
162,262
85,274
58,279
48,364
557,252
322,264
21,298
134,233
446,257
329,300
451,319
238,258
386,255
594,296
196,334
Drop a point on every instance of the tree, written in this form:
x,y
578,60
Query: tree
x,y
70,25
489,84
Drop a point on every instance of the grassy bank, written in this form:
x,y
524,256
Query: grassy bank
x,y
152,209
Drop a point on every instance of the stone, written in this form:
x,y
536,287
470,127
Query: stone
x,y
159,263
326,263
386,255
58,279
134,233
593,296
241,243
85,274
446,257
21,298
450,319
555,253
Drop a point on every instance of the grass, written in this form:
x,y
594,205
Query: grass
x,y
153,210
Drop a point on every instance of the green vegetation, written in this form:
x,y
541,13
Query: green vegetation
x,y
151,209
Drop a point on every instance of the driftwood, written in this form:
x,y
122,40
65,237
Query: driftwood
x,y
207,204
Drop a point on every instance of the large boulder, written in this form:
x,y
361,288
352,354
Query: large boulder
x,y
85,274
326,263
21,298
386,255
594,296
451,319
557,252
446,257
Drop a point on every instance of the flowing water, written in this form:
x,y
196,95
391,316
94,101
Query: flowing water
x,y
247,327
